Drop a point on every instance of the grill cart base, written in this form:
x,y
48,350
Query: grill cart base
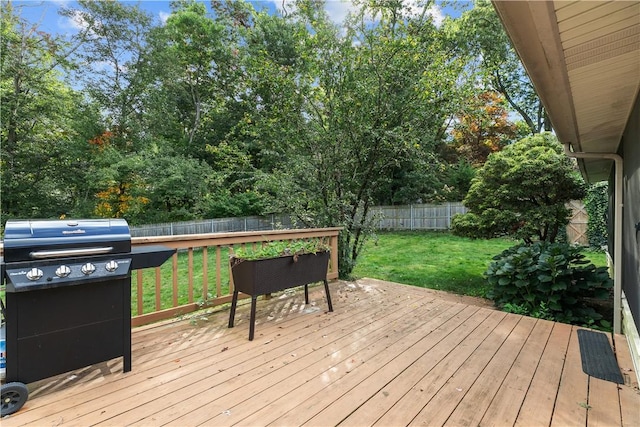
x,y
68,295
57,330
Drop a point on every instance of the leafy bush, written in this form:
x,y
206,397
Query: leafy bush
x,y
549,280
596,203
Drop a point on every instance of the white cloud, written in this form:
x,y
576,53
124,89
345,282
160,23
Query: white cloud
x,y
74,22
336,9
436,13
339,9
164,16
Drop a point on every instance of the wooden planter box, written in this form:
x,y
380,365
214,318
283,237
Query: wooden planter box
x,y
265,276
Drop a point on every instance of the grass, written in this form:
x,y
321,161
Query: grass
x,y
166,290
435,260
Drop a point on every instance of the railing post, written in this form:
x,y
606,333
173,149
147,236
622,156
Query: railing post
x,y
334,272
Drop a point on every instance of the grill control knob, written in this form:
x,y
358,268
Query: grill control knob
x,y
88,268
111,266
63,271
34,274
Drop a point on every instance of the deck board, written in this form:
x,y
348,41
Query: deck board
x,y
389,354
628,393
573,394
538,404
507,401
438,410
409,392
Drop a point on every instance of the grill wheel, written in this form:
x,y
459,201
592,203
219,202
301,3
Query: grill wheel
x,y
14,395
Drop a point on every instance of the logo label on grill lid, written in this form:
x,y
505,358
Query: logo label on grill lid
x,y
78,231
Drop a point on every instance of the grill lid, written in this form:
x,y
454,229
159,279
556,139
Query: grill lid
x,y
26,240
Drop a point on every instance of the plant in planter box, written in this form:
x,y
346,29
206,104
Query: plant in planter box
x,y
279,248
276,266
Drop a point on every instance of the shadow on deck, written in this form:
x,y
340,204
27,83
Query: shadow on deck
x,y
388,355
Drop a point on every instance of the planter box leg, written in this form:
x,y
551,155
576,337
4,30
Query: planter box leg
x,y
232,313
306,294
252,321
326,291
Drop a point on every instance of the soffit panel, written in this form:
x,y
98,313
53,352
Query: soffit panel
x,y
629,21
601,44
588,96
568,9
603,16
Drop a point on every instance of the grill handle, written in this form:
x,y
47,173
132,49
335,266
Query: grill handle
x,y
70,252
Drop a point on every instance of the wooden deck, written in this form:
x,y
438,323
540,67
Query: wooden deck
x,y
388,355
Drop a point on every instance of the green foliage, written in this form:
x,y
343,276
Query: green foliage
x,y
548,280
369,118
235,112
521,191
279,248
42,123
457,181
596,203
540,312
481,35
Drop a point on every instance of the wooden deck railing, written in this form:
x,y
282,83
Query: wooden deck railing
x,y
198,275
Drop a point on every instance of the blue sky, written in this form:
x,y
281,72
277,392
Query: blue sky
x,y
44,12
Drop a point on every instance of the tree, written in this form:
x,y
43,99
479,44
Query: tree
x,y
379,101
482,128
480,33
111,55
189,64
43,122
521,191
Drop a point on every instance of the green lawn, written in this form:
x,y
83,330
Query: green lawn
x,y
166,290
436,260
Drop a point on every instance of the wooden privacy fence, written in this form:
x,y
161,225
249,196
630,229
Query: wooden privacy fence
x,y
577,227
217,225
198,275
404,217
417,217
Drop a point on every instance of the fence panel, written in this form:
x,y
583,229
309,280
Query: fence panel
x,y
217,225
411,217
417,217
407,217
577,227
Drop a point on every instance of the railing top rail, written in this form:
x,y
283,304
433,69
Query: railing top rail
x,y
238,236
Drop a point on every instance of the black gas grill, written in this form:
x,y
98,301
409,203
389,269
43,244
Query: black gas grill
x,y
68,295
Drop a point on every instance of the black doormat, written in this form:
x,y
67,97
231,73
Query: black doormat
x,y
597,356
